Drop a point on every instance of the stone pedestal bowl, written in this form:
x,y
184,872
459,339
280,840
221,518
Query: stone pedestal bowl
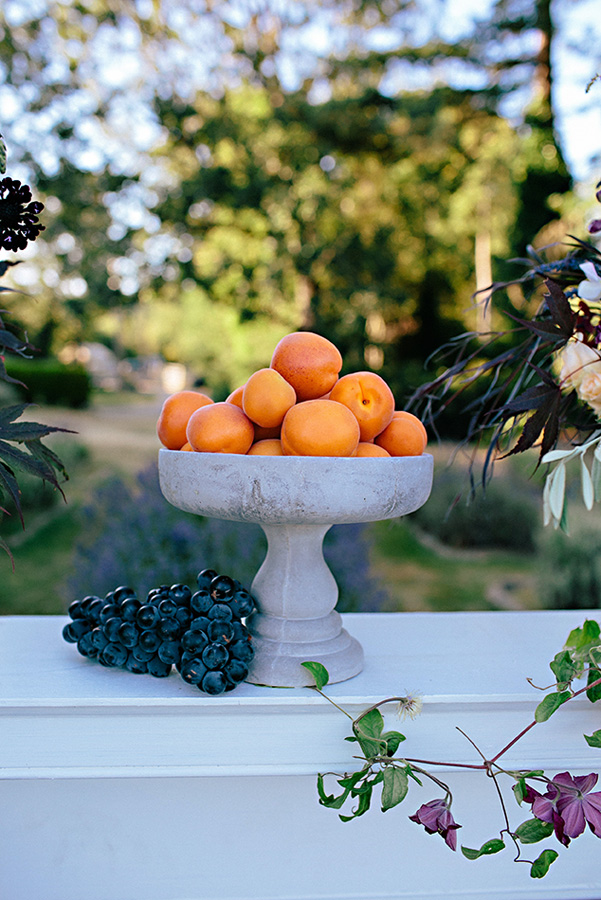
x,y
296,499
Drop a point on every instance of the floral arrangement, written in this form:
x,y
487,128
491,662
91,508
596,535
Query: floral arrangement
x,y
21,447
538,385
539,380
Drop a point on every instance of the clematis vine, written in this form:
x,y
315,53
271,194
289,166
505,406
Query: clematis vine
x,y
568,805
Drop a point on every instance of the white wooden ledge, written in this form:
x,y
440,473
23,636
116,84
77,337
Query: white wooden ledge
x,y
122,787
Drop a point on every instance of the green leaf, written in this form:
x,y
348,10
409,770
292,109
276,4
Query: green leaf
x,y
563,668
593,693
393,739
582,638
588,489
533,830
368,731
362,806
319,673
394,788
549,705
490,847
594,739
335,802
540,866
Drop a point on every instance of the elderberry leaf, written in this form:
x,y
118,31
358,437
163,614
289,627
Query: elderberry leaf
x,y
368,731
393,739
594,739
533,830
493,846
550,704
540,866
394,787
563,668
319,673
593,693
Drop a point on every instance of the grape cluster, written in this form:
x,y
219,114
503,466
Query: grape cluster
x,y
202,634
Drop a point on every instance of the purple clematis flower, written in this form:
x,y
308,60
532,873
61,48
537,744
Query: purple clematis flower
x,y
569,805
436,817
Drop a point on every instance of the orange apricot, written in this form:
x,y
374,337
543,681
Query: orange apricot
x,y
174,416
404,436
319,428
267,397
187,446
220,428
268,447
366,448
309,362
236,397
369,398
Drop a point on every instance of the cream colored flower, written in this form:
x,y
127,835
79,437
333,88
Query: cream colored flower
x,y
589,390
590,288
578,360
410,706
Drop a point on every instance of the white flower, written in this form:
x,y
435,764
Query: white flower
x,y
410,706
578,361
590,288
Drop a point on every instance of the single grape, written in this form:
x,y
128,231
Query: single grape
x,y
108,611
75,630
200,623
169,652
220,631
158,668
147,616
149,640
181,594
111,628
75,610
141,654
213,683
129,609
168,628
242,650
222,587
221,611
128,634
201,601
205,577
86,646
183,616
137,666
99,638
167,607
193,671
214,656
193,641
114,655
242,604
235,671
120,593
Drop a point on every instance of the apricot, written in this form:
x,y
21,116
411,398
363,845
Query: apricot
x,y
236,396
267,397
319,428
220,428
268,447
369,398
309,362
174,416
404,436
366,448
187,446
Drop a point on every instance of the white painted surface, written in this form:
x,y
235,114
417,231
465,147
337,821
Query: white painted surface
x,y
123,787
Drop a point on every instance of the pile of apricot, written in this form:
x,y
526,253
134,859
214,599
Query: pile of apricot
x,y
299,406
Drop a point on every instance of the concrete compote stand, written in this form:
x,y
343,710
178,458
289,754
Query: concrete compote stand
x,y
296,500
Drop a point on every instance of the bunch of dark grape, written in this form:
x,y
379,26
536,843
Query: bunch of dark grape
x,y
202,634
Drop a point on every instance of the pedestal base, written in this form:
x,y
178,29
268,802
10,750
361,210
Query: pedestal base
x,y
278,663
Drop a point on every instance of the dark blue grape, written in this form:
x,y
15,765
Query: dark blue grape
x,y
220,611
205,577
129,609
158,668
114,654
236,671
220,631
241,650
147,616
193,671
201,601
128,635
120,593
75,610
75,630
181,594
149,640
183,616
111,628
141,654
86,646
214,656
137,666
99,638
170,652
213,683
168,607
242,604
200,623
193,641
222,587
108,611
240,631
168,628
94,610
